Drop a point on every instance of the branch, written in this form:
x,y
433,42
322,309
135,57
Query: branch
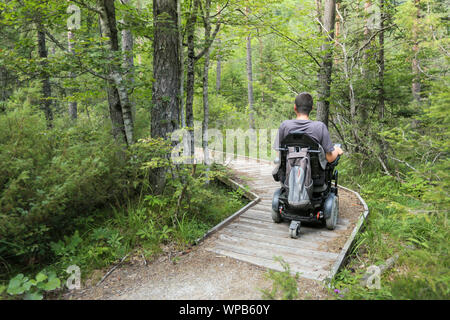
x,y
209,43
62,47
55,41
83,4
279,33
218,13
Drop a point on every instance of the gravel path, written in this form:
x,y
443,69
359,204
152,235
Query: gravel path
x,y
198,275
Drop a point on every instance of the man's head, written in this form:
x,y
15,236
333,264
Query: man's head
x,y
303,103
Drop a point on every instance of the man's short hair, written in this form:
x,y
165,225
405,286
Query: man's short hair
x,y
304,103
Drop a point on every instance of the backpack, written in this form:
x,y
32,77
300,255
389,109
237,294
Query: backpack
x,y
298,180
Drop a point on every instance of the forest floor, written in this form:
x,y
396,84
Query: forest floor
x,y
196,275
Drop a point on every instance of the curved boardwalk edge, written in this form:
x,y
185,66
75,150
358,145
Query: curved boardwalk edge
x,y
350,241
246,192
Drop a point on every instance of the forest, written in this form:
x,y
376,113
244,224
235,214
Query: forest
x,y
92,92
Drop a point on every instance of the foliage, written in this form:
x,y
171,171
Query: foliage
x,y
33,289
400,222
284,284
72,195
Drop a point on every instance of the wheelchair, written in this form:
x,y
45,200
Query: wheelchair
x,y
323,207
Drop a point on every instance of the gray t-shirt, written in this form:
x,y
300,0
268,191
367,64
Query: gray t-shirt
x,y
315,129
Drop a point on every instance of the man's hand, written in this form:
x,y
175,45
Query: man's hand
x,y
339,150
331,156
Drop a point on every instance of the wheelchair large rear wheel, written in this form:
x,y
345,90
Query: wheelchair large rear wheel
x,y
276,216
331,222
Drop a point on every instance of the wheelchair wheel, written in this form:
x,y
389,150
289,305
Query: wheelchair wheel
x,y
294,234
331,222
294,229
276,216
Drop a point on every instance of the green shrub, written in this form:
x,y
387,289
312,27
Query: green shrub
x,y
48,178
284,285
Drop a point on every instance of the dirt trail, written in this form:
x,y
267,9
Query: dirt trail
x,y
198,275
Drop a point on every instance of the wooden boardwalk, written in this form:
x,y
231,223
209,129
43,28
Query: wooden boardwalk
x,y
253,237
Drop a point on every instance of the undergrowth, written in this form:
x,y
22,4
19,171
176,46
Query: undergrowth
x,y
70,196
400,223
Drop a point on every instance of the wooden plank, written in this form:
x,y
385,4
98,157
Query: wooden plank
x,y
305,263
284,227
342,224
250,168
297,251
269,263
256,218
315,237
287,242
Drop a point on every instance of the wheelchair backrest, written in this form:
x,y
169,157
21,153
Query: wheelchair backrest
x,y
299,139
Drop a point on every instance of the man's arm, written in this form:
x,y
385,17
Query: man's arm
x,y
332,152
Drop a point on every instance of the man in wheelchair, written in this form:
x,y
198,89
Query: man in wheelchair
x,y
305,169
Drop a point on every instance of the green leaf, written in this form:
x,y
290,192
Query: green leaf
x,y
52,284
33,296
41,277
15,285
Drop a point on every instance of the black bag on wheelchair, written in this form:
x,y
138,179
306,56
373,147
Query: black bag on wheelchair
x,y
298,182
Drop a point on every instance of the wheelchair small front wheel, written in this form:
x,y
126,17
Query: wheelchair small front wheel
x,y
294,229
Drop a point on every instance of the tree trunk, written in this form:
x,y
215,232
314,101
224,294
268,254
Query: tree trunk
x,y
182,116
205,84
250,77
381,99
73,113
365,66
337,32
165,113
219,67
128,59
415,88
261,66
120,99
46,102
190,32
324,76
166,69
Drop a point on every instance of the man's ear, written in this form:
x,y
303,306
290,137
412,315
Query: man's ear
x,y
295,108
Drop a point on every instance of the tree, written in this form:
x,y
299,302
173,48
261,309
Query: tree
x,y
415,86
128,52
46,101
192,59
327,22
73,106
119,102
166,72
251,99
